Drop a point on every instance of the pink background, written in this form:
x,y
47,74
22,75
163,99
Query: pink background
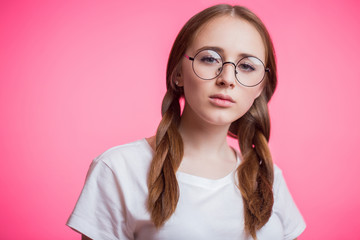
x,y
78,77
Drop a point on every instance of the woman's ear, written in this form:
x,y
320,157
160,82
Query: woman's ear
x,y
179,79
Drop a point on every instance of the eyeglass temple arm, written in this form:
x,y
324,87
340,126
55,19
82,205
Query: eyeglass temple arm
x,y
190,58
267,69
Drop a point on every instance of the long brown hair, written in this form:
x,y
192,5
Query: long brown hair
x,y
255,173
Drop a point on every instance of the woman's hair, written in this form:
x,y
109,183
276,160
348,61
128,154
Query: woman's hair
x,y
255,173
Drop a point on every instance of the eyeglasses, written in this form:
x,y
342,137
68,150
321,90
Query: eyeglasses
x,y
208,64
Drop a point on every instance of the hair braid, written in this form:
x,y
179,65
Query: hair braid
x,y
162,184
255,173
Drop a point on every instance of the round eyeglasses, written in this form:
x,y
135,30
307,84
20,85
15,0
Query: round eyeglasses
x,y
208,64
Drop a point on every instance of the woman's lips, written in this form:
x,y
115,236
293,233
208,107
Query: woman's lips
x,y
221,100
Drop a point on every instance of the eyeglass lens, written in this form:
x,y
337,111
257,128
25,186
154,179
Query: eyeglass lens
x,y
208,64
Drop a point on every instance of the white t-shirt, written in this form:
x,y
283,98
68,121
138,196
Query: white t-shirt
x,y
112,204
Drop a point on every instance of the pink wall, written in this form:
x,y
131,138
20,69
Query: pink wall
x,y
79,77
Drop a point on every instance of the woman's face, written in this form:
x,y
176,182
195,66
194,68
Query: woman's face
x,y
222,100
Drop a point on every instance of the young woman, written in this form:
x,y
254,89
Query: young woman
x,y
187,182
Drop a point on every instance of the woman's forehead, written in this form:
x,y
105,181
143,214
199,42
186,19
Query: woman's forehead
x,y
232,34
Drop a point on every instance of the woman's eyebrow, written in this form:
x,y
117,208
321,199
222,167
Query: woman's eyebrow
x,y
221,51
217,49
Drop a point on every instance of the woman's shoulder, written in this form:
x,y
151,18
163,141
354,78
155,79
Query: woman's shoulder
x,y
129,156
285,207
277,170
128,148
278,178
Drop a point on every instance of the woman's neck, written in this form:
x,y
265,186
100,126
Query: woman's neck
x,y
206,151
202,138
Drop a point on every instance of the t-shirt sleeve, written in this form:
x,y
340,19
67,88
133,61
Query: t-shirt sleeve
x,y
286,209
100,212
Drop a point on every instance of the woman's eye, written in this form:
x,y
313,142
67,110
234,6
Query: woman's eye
x,y
246,67
211,60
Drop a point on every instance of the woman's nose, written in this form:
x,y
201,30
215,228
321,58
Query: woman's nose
x,y
227,76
